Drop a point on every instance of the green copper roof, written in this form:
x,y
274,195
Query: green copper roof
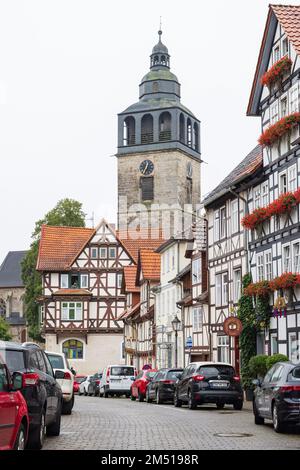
x,y
160,74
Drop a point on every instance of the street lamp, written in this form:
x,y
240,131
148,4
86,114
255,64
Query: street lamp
x,y
176,327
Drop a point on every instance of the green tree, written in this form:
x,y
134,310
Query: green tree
x,y
4,330
68,213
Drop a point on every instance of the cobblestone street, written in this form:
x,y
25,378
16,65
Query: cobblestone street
x,y
118,423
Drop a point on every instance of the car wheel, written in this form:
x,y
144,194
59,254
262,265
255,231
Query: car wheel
x,y
148,399
158,398
37,435
141,397
238,405
68,406
131,396
277,423
191,402
177,402
54,428
84,392
257,419
20,439
105,394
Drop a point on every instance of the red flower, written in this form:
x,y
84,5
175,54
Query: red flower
x,y
279,129
276,72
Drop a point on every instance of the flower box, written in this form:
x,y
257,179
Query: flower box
x,y
277,72
264,288
279,129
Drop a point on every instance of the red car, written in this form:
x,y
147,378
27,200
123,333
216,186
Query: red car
x,y
77,381
138,387
14,420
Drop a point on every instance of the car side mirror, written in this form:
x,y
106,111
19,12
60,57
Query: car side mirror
x,y
256,382
17,381
59,374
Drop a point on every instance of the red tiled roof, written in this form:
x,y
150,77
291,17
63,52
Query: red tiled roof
x,y
133,246
129,278
59,246
127,313
150,264
72,292
289,18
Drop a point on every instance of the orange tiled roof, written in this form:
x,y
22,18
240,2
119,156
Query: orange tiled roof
x,y
72,292
130,277
289,18
150,264
59,246
134,245
128,313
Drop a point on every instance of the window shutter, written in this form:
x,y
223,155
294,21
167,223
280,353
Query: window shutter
x,y
147,187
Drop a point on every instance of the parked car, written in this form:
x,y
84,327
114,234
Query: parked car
x,y
77,381
161,387
84,386
209,382
139,386
117,380
60,363
40,389
93,389
277,397
14,419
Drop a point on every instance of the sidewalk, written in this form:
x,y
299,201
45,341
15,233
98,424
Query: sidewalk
x,y
248,406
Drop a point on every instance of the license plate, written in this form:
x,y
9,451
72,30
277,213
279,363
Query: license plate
x,y
219,384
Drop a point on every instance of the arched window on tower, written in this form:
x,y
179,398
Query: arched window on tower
x,y
165,121
156,60
181,128
129,131
147,129
163,60
189,132
196,137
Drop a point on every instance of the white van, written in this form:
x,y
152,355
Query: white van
x,y
117,380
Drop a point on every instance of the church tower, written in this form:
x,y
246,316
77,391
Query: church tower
x,y
158,142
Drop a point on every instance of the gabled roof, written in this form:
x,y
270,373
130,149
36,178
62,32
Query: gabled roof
x,y
148,265
289,18
59,246
129,279
10,269
247,167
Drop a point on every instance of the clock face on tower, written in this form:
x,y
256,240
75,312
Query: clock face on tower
x,y
146,167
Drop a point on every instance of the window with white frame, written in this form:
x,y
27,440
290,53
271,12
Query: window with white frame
x,y
94,252
274,343
260,267
285,46
294,99
268,265
284,106
196,271
282,183
221,289
173,258
265,193
274,112
296,256
257,202
112,252
292,178
217,225
103,252
168,260
223,349
276,54
71,311
223,222
119,280
84,281
286,258
197,318
218,288
237,284
224,288
64,281
294,353
235,216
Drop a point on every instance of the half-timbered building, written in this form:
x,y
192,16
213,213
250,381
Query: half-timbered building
x,y
227,249
82,271
275,244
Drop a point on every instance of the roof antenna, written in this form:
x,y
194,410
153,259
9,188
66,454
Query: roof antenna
x,y
160,26
91,219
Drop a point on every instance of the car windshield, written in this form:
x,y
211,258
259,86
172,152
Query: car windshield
x,y
79,380
150,375
173,374
13,359
209,371
127,371
57,362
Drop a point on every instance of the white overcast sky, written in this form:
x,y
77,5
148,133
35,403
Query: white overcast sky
x,y
67,67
